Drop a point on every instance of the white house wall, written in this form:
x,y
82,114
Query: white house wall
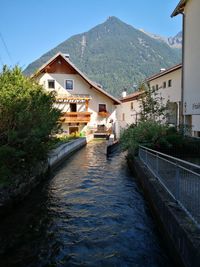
x,y
81,87
127,115
173,93
192,59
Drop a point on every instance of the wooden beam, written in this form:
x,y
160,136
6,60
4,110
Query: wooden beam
x,y
86,104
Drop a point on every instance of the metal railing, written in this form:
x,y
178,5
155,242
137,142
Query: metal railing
x,y
180,178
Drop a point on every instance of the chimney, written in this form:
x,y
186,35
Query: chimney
x,y
162,69
66,56
124,92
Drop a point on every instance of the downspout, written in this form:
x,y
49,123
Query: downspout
x,y
183,68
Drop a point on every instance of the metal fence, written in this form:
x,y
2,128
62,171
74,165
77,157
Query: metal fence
x,y
180,178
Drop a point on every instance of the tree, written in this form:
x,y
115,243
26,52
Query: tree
x,y
151,130
27,120
151,104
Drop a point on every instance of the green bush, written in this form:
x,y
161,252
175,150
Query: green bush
x,y
148,133
153,135
27,120
59,140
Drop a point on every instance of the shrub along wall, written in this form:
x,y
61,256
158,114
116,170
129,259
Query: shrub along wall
x,y
27,120
159,137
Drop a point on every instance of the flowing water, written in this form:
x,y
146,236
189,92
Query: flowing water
x,y
89,213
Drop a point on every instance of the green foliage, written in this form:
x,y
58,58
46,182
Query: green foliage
x,y
151,105
148,133
191,147
27,119
159,137
115,55
58,140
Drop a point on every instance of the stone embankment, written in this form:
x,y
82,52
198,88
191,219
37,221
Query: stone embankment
x,y
56,156
179,232
11,195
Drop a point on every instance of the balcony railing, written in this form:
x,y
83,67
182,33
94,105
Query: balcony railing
x,y
78,117
72,98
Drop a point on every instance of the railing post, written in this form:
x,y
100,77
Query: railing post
x,y
177,191
146,156
157,166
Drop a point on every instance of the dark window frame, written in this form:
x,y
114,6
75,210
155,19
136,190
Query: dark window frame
x,y
73,107
102,108
71,87
132,106
51,84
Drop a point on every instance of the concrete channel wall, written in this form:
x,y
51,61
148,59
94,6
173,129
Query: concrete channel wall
x,y
56,156
11,195
180,234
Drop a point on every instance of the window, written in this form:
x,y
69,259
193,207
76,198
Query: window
x,y
102,107
156,86
164,84
73,107
51,84
131,105
169,83
123,116
69,84
153,88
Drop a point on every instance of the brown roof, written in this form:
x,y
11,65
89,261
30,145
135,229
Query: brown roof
x,y
162,73
179,8
92,84
131,97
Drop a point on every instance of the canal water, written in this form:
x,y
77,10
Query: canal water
x,y
89,213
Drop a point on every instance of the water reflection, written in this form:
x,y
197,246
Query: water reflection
x,y
90,213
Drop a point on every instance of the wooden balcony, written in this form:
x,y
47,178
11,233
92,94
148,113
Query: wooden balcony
x,y
104,114
76,117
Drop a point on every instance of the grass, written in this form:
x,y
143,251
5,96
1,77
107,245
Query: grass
x,y
55,141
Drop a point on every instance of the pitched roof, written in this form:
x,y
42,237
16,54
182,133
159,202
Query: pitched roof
x,y
92,84
179,8
131,97
162,73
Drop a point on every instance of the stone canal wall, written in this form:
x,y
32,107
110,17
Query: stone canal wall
x,y
56,156
20,187
180,234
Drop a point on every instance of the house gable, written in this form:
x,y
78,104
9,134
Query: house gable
x,y
67,67
59,65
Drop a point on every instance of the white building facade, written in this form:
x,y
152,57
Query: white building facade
x,y
167,84
129,111
191,63
86,108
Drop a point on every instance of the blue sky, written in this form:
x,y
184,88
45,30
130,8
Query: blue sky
x,y
29,28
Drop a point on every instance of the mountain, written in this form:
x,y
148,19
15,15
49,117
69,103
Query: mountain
x,y
174,42
115,55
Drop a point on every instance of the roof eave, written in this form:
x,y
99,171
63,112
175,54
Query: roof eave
x,y
160,74
131,97
115,100
179,8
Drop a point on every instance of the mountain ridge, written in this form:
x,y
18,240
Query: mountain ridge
x,y
114,54
172,41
